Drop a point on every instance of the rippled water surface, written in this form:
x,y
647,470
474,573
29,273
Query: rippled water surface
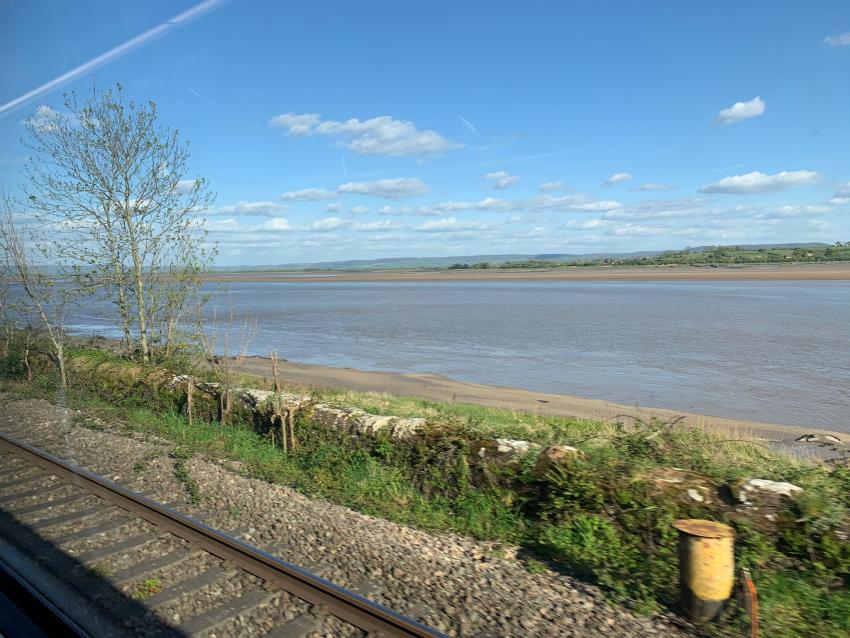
x,y
770,351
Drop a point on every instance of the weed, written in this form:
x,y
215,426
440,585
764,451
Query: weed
x,y
102,570
193,490
534,566
147,588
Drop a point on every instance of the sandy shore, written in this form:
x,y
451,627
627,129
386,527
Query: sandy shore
x,y
439,388
771,272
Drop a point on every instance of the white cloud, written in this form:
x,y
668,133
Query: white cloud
x,y
540,203
44,119
371,227
359,210
842,40
566,203
295,124
501,179
383,135
548,187
275,224
308,195
740,111
757,182
221,225
260,209
843,190
328,224
447,225
638,230
184,186
387,188
653,186
590,224
616,178
332,208
797,210
818,225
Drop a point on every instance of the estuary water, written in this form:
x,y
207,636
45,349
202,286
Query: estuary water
x,y
771,351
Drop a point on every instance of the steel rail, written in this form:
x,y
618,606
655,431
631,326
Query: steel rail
x,y
338,601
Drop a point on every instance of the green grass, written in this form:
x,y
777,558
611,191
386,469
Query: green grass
x,y
147,588
596,518
791,606
325,466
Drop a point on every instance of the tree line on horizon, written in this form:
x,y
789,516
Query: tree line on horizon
x,y
717,255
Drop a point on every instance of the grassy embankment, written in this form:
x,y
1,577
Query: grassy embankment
x,y
600,516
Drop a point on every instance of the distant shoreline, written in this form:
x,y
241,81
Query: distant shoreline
x,y
772,272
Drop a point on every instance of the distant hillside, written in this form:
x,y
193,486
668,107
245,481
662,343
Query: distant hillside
x,y
405,263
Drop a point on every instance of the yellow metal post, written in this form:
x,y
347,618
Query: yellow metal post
x,y
706,566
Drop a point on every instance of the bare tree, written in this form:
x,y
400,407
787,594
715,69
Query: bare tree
x,y
46,296
217,340
109,174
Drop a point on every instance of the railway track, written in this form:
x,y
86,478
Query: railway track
x,y
114,560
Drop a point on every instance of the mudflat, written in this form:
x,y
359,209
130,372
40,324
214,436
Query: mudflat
x,y
767,272
435,387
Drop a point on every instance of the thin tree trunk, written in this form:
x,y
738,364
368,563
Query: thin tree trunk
x,y
290,421
125,314
190,391
115,257
27,355
273,357
60,362
139,289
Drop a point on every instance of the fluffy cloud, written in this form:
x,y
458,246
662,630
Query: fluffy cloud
x,y
843,190
740,111
757,182
448,225
371,227
501,179
616,178
295,124
359,210
275,224
548,187
308,195
652,186
332,208
383,135
590,224
387,188
260,209
184,186
842,40
328,224
44,119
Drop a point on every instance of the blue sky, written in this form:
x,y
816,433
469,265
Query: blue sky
x,y
340,130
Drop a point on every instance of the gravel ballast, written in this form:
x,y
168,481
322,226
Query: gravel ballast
x,y
452,583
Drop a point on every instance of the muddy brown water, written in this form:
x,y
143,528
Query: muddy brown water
x,y
774,351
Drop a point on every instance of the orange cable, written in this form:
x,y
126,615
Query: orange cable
x,y
752,596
